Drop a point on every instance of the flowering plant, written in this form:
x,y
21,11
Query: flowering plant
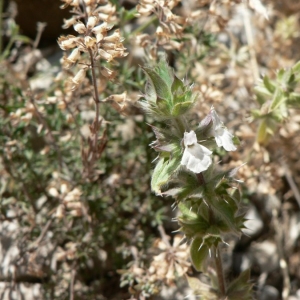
x,y
206,197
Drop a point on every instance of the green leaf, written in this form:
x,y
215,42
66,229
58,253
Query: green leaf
x,y
181,108
164,71
256,113
278,100
294,100
22,38
178,86
162,173
199,288
296,67
194,283
224,210
150,93
262,91
162,90
199,252
280,74
187,213
240,288
270,86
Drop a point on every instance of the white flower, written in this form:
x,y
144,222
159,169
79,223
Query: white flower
x,y
195,157
222,136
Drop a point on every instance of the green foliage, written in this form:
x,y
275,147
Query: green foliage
x,y
14,37
199,251
276,97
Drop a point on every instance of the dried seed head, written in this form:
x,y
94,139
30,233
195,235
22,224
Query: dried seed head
x,y
108,73
92,21
79,77
67,42
115,37
104,27
74,56
107,9
69,22
99,37
105,55
80,28
90,42
74,3
89,2
60,212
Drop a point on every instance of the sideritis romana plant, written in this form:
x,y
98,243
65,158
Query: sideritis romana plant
x,y
207,197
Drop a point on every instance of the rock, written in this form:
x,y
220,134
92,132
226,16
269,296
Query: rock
x,y
264,255
254,223
269,292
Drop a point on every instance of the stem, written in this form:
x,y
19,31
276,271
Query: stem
x,y
251,43
217,254
40,28
96,98
220,273
200,178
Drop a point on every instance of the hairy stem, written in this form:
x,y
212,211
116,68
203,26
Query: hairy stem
x,y
200,178
217,254
220,273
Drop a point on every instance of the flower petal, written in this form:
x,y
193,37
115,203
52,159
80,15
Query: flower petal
x,y
189,138
222,136
196,158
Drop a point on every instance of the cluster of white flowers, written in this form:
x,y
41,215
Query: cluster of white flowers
x,y
196,157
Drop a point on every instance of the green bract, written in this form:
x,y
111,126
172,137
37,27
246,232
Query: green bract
x,y
166,96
